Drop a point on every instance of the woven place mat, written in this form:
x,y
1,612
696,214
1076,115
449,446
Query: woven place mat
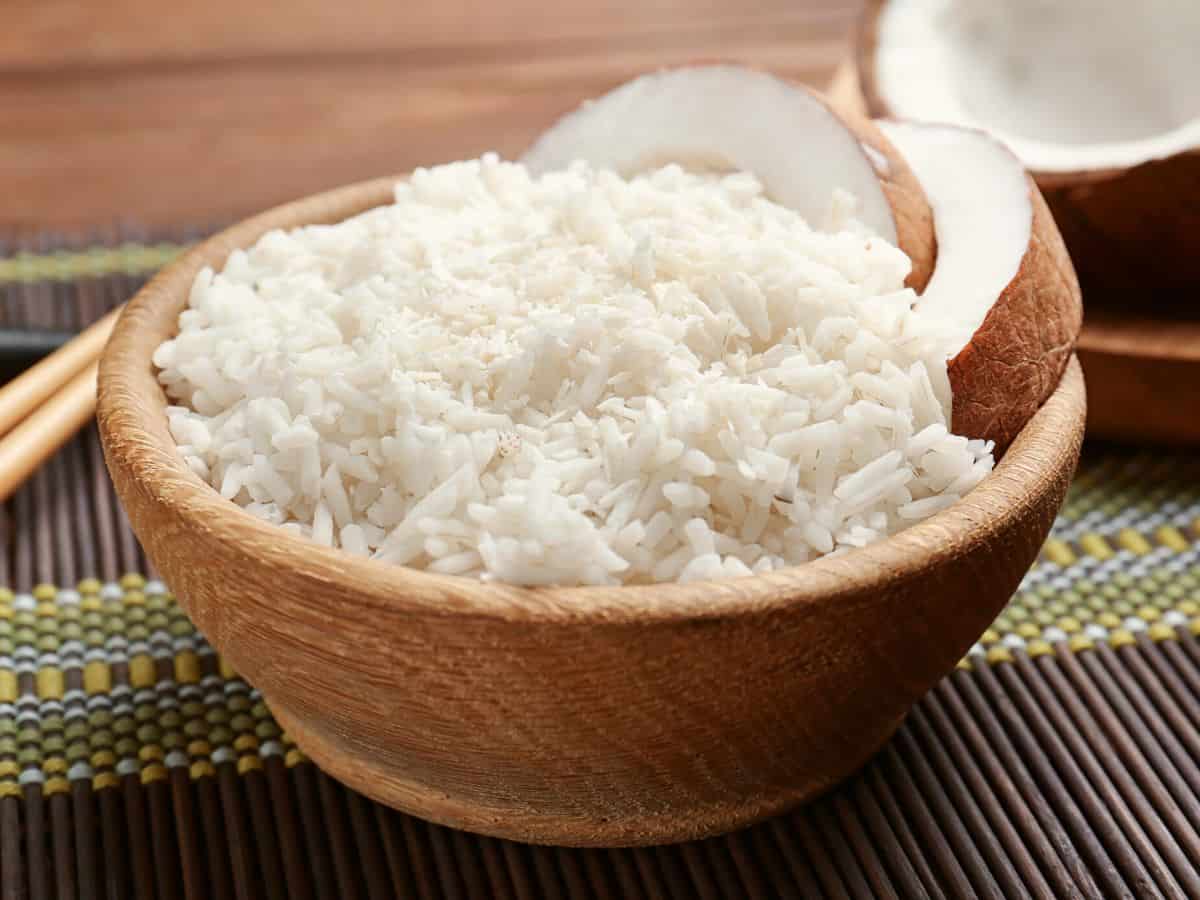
x,y
1059,759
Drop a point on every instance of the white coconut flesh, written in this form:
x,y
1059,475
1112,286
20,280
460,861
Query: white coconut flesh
x,y
982,215
722,118
1069,86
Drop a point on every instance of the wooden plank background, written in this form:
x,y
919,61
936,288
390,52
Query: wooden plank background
x,y
183,112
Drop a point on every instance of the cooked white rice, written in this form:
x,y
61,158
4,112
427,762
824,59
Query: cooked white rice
x,y
571,379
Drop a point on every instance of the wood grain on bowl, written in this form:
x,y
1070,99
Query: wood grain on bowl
x,y
585,716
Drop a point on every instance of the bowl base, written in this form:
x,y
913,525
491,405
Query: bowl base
x,y
529,826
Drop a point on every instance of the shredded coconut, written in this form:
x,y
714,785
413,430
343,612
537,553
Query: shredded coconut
x,y
574,378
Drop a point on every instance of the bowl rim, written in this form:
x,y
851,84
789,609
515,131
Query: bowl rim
x,y
132,420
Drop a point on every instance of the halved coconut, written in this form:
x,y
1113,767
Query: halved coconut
x,y
727,117
1002,291
1101,105
1003,287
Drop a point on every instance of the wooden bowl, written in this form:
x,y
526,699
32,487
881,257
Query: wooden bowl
x,y
583,716
1144,370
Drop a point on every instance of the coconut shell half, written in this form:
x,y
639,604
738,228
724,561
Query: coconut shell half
x,y
1016,358
1134,234
1003,274
725,116
1133,230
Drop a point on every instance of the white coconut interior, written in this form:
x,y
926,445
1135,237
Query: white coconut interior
x,y
982,215
1068,85
725,117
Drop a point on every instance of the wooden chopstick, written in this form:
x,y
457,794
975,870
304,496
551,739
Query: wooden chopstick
x,y
50,426
39,382
41,409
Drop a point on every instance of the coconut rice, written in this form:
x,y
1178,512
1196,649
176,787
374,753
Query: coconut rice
x,y
572,379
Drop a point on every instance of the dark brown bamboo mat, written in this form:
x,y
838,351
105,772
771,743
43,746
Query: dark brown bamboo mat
x,y
1060,759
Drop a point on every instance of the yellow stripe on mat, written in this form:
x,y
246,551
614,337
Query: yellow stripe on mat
x,y
69,265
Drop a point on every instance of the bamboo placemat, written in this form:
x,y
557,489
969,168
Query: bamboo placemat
x,y
1060,759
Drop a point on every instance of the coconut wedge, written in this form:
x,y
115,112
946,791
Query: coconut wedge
x,y
1102,106
994,272
728,117
1003,287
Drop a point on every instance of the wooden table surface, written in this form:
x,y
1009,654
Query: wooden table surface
x,y
175,113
